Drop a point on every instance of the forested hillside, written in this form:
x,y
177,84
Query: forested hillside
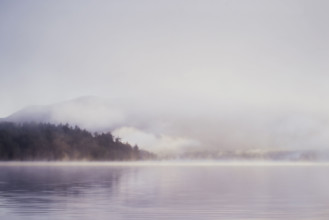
x,y
30,141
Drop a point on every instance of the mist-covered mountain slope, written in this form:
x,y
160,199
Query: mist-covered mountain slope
x,y
133,123
172,133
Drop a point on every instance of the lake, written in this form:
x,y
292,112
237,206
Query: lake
x,y
164,190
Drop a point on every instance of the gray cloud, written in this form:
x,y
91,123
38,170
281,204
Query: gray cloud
x,y
205,71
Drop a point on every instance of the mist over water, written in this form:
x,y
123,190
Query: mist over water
x,y
175,191
229,81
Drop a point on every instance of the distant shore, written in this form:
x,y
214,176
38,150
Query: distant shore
x,y
187,163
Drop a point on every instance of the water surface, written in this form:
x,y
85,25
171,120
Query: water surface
x,y
163,191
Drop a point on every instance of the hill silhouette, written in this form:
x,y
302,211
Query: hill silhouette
x,y
32,141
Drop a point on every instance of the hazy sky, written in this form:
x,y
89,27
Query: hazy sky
x,y
187,59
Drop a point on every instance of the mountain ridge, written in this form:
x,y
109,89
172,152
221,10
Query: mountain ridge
x,y
88,112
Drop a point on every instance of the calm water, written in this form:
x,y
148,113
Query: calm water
x,y
153,191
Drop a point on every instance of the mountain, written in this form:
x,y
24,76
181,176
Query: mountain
x,y
133,123
90,113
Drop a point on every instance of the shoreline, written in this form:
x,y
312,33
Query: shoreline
x,y
180,163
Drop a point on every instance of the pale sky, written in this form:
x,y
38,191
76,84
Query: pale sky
x,y
202,60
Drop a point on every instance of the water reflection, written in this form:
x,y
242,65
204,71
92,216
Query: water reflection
x,y
162,192
36,190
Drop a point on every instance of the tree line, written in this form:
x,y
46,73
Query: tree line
x,y
31,141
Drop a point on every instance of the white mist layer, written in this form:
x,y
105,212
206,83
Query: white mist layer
x,y
160,144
